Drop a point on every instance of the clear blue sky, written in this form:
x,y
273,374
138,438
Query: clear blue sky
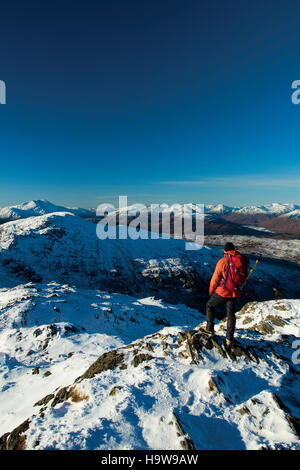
x,y
161,100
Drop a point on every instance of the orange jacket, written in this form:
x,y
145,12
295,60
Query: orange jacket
x,y
219,276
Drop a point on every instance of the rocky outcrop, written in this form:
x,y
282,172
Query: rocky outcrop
x,y
195,352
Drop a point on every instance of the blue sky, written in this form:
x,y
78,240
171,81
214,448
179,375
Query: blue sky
x,y
163,101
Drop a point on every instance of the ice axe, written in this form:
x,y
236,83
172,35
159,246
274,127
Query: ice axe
x,y
250,272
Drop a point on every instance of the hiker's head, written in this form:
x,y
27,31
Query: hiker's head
x,y
229,246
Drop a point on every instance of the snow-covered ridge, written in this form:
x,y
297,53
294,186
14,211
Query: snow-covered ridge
x,y
39,207
288,250
100,380
267,209
59,331
85,366
275,209
65,248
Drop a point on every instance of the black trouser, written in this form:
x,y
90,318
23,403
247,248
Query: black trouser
x,y
214,301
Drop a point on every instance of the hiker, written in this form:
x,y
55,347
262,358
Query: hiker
x,y
230,273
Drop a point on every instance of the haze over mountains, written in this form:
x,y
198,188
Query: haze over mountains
x,y
41,207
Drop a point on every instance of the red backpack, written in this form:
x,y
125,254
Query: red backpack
x,y
237,271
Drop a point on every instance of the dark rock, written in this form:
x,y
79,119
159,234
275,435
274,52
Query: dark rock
x,y
294,424
239,351
279,403
61,396
3,440
186,442
36,370
37,332
161,321
19,336
52,330
277,293
16,439
244,410
263,327
109,360
70,330
44,400
212,386
139,358
46,344
276,320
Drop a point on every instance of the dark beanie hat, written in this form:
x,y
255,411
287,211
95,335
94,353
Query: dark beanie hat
x,y
229,246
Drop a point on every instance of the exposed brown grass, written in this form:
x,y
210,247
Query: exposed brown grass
x,y
77,396
22,442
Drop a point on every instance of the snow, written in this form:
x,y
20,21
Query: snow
x,y
260,229
274,208
102,322
42,207
139,414
38,207
274,248
64,248
53,329
295,214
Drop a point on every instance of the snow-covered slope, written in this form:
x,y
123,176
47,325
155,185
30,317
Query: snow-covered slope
x,y
39,207
260,229
288,250
59,331
64,248
267,209
84,366
294,214
171,389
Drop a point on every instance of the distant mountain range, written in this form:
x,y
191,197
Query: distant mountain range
x,y
274,220
275,209
42,207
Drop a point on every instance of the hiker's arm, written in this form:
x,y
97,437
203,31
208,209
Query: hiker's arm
x,y
217,276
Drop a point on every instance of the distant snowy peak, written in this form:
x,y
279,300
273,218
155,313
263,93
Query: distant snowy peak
x,y
293,214
219,209
39,207
267,209
274,208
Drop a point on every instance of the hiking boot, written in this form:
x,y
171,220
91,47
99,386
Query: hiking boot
x,y
205,330
228,344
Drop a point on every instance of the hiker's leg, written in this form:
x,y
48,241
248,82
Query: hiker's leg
x,y
213,302
230,312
